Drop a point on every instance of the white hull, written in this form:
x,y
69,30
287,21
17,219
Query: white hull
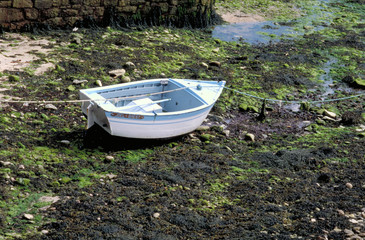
x,y
130,122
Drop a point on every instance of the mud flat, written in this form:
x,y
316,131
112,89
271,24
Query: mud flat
x,y
249,173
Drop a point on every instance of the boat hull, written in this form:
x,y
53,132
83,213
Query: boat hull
x,y
153,127
160,108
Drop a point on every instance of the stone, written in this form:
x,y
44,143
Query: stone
x,y
203,128
215,64
28,216
348,232
79,81
125,79
156,215
22,4
250,137
31,13
340,212
50,106
349,185
109,159
203,64
51,13
49,199
5,4
329,114
117,73
99,83
65,142
9,15
43,4
129,65
326,118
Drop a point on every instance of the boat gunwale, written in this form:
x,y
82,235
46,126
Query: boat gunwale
x,y
88,92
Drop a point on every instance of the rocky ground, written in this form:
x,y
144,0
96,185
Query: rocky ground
x,y
278,172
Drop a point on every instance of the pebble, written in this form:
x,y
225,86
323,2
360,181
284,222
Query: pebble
x,y
329,114
215,64
216,50
250,136
99,83
203,64
28,216
340,212
349,185
44,231
125,79
109,158
21,166
50,106
348,232
156,215
65,142
130,65
117,73
79,81
5,163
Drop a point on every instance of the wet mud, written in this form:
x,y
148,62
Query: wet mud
x,y
290,182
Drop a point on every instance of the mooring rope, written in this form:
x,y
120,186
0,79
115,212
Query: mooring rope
x,y
295,101
173,90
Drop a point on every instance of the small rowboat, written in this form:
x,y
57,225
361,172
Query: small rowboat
x,y
150,109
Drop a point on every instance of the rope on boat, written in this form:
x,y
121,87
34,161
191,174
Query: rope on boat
x,y
88,100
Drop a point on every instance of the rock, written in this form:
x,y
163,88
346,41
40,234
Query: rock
x,y
203,64
129,65
28,216
348,232
216,50
329,114
226,132
49,199
326,118
117,73
125,79
50,106
206,137
337,230
203,128
340,212
349,185
109,159
99,83
3,164
21,166
79,81
45,231
65,142
163,75
156,215
250,137
215,64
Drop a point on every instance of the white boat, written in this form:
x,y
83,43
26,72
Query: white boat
x,y
150,109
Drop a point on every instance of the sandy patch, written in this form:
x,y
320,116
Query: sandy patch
x,y
238,17
17,51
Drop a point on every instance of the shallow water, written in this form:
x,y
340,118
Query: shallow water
x,y
264,32
252,32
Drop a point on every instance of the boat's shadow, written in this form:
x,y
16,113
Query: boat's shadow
x,y
96,137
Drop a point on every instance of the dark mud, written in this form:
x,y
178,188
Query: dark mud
x,y
290,183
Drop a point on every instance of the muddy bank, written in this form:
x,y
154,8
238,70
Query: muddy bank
x,y
253,173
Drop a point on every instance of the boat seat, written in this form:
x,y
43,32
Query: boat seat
x,y
102,102
143,105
